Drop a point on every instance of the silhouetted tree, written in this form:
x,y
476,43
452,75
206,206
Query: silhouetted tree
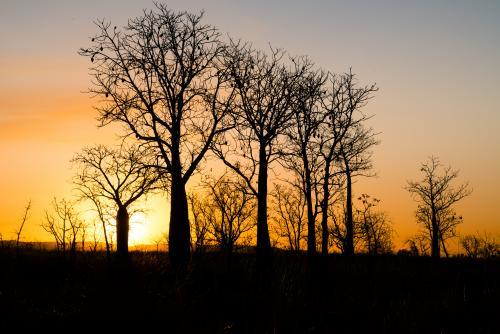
x,y
290,211
262,113
64,224
116,176
164,78
201,219
232,210
301,154
23,222
448,222
480,246
375,229
356,160
419,244
341,105
436,195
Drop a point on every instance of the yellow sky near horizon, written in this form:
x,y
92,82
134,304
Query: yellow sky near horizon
x,y
438,69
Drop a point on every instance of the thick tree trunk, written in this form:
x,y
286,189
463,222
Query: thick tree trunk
x,y
324,209
179,244
349,242
435,236
263,241
122,228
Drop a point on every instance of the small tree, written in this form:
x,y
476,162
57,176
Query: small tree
x,y
117,176
64,224
436,196
23,221
290,211
374,227
201,218
232,209
480,246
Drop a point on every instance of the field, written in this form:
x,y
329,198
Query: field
x,y
221,294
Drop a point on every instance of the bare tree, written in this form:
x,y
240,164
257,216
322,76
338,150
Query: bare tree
x,y
290,211
23,222
64,224
301,154
355,155
448,222
342,106
201,219
163,77
263,111
117,176
94,244
232,209
375,229
476,245
436,195
419,244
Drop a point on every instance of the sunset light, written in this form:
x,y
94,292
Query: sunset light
x,y
193,166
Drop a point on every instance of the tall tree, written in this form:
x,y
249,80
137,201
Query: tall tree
x,y
342,106
436,195
355,155
263,111
163,78
116,176
301,152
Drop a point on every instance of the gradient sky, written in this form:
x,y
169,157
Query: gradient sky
x,y
437,65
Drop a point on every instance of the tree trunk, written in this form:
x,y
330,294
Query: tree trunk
x,y
349,228
122,228
311,224
179,244
435,236
263,241
324,209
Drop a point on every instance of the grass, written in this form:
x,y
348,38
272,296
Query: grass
x,y
360,294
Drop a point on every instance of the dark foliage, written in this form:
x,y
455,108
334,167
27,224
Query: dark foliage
x,y
219,294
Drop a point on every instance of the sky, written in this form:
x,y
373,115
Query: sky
x,y
437,65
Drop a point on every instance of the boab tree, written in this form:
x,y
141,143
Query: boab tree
x,y
436,195
116,176
163,78
265,85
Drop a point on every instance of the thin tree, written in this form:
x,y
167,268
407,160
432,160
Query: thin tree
x,y
23,222
301,154
232,209
342,106
374,227
436,195
201,219
262,113
116,176
64,224
163,77
290,211
356,159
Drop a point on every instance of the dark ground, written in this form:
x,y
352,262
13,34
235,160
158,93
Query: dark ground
x,y
361,294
